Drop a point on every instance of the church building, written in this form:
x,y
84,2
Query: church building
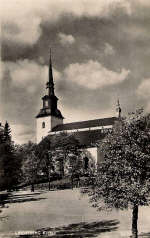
x,y
49,121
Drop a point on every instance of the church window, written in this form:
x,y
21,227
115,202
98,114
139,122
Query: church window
x,y
46,103
43,124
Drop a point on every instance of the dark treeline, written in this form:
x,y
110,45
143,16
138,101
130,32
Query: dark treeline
x,y
55,157
10,163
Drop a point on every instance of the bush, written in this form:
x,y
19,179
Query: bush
x,y
57,184
3,197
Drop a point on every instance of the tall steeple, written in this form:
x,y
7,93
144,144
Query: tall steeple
x,y
49,115
50,100
118,109
50,83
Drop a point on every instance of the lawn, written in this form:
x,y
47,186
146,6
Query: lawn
x,y
66,213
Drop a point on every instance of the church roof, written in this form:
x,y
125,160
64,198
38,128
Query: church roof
x,y
85,124
44,112
89,138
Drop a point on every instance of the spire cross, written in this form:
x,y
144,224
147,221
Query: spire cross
x,y
50,83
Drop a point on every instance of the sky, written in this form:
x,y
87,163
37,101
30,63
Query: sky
x,y
100,52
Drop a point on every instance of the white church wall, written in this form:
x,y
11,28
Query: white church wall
x,y
93,151
56,121
42,132
97,154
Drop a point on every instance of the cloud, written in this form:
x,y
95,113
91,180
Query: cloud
x,y
137,32
21,20
22,32
20,23
143,93
93,75
66,39
109,49
144,3
27,74
78,114
143,89
22,133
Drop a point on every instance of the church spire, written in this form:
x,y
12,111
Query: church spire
x,y
50,83
118,109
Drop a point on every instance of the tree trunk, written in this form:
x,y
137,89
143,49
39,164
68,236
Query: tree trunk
x,y
32,187
62,168
72,181
49,184
79,181
135,221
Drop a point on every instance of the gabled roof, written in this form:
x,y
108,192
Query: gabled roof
x,y
89,138
86,124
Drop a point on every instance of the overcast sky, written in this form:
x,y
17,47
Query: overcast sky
x,y
100,52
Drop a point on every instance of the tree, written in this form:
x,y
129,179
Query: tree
x,y
68,153
123,178
61,151
48,165
10,163
30,163
75,166
46,157
1,134
63,144
89,165
7,133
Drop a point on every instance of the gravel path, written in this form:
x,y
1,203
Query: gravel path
x,y
28,212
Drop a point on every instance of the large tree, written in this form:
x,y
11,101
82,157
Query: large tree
x,y
62,152
64,144
68,154
47,165
123,178
46,156
30,164
10,162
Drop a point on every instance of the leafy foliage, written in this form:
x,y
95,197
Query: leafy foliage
x,y
123,179
30,164
54,157
61,154
58,150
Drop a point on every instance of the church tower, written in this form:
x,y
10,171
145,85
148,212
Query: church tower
x,y
49,116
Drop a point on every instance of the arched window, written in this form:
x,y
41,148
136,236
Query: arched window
x,y
46,103
43,124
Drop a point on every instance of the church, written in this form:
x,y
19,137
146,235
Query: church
x,y
49,121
